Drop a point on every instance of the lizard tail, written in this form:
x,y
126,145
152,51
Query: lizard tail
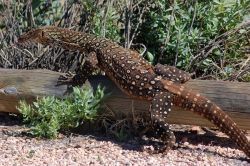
x,y
189,100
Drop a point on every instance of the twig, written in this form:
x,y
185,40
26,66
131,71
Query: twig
x,y
177,47
215,43
128,11
194,15
2,55
66,13
166,40
29,14
142,45
24,51
104,19
139,22
243,72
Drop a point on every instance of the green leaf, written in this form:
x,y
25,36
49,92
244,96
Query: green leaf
x,y
150,56
35,4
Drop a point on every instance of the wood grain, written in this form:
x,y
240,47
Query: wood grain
x,y
232,97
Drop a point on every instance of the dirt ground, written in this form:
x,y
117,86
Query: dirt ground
x,y
195,147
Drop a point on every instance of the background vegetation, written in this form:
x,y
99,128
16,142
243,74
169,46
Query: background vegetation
x,y
209,39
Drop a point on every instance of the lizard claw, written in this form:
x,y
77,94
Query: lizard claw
x,y
66,78
158,148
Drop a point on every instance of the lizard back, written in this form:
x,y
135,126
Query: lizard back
x,y
130,71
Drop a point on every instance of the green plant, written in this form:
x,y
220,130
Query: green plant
x,y
45,12
192,35
122,134
179,33
48,115
102,19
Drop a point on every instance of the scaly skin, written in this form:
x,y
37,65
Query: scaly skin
x,y
136,77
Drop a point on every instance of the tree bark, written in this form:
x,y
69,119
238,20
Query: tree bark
x,y
232,97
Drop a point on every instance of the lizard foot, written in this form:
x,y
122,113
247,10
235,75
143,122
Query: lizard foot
x,y
67,78
158,149
167,144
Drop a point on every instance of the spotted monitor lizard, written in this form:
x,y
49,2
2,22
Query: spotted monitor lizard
x,y
160,84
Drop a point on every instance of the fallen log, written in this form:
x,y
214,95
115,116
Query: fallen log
x,y
232,97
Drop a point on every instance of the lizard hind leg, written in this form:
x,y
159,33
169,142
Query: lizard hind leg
x,y
171,73
160,107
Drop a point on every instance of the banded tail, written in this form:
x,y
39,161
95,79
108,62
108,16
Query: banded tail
x,y
189,100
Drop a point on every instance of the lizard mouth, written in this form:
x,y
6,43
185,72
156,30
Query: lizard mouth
x,y
30,37
21,42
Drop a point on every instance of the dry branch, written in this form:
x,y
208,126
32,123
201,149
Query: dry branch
x,y
232,97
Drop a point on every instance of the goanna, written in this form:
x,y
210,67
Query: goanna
x,y
159,84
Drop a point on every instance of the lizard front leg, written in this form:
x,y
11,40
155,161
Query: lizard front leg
x,y
171,73
160,107
89,66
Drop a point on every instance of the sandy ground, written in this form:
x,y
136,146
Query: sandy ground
x,y
17,148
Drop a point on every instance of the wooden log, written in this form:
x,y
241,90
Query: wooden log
x,y
232,97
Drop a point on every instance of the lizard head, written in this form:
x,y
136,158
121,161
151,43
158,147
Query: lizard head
x,y
44,35
35,35
51,35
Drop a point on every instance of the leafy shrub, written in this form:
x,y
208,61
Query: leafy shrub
x,y
175,32
48,115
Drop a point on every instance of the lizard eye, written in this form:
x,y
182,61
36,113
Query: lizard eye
x,y
42,34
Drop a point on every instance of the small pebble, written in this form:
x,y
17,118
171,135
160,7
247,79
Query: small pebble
x,y
87,150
